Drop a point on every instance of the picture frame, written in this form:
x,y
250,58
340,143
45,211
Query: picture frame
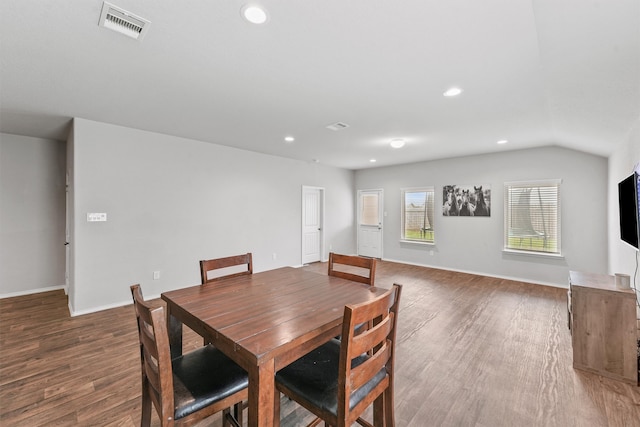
x,y
466,200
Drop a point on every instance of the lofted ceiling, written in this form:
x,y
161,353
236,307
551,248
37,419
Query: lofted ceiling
x,y
533,72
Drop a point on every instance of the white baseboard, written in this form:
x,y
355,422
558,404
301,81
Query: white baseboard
x,y
33,291
75,313
477,273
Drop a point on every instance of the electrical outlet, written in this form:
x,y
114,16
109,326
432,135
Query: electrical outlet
x,y
156,275
274,256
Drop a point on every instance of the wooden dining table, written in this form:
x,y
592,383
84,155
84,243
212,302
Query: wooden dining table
x,y
264,321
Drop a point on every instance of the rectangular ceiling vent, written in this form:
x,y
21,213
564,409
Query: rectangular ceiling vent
x,y
123,22
338,126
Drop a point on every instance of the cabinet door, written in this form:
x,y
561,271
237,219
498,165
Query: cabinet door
x,y
604,333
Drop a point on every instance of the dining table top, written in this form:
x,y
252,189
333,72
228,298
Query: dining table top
x,y
262,315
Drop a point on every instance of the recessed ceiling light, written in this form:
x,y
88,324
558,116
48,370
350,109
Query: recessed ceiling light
x,y
397,143
502,141
454,91
289,138
254,14
372,160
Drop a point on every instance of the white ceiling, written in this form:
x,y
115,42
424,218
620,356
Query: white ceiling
x,y
534,72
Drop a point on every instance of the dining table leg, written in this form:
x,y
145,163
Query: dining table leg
x,y
262,395
174,329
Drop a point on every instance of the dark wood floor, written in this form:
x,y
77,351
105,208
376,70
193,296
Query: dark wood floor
x,y
472,351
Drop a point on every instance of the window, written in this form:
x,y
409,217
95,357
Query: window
x,y
532,216
417,215
369,210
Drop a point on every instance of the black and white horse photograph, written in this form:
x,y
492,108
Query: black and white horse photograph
x,y
466,200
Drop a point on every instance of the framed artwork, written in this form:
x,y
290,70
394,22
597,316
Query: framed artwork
x,y
466,200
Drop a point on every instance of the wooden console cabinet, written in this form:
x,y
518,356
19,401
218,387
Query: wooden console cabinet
x,y
603,326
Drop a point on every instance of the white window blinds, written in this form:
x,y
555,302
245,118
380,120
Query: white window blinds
x,y
369,214
532,216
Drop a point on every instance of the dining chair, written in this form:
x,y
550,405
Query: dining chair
x,y
351,273
225,263
190,387
340,379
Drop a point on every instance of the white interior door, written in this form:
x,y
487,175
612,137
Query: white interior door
x,y
312,214
370,223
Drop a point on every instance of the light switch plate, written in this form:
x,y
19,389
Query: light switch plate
x,y
96,217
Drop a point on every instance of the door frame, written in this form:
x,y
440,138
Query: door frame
x,y
381,216
322,222
67,232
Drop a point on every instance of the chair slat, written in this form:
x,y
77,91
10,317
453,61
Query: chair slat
x,y
364,372
209,265
359,262
369,339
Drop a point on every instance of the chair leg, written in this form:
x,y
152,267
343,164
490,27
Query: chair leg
x,y
145,418
389,416
225,417
379,406
229,420
237,412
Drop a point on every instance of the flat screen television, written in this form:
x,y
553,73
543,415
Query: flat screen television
x,y
629,202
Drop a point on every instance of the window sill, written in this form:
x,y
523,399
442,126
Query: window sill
x,y
417,242
534,254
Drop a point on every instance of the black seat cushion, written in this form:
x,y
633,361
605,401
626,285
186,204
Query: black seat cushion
x,y
202,377
315,377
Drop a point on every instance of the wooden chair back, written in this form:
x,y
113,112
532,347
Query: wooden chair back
x,y
159,377
219,263
339,380
157,371
361,264
378,342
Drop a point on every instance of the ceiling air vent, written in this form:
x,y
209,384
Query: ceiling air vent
x,y
123,22
338,126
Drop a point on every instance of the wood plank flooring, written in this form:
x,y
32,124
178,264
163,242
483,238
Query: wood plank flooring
x,y
472,351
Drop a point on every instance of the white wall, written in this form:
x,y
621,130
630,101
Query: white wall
x,y
135,176
172,201
32,214
622,257
474,244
